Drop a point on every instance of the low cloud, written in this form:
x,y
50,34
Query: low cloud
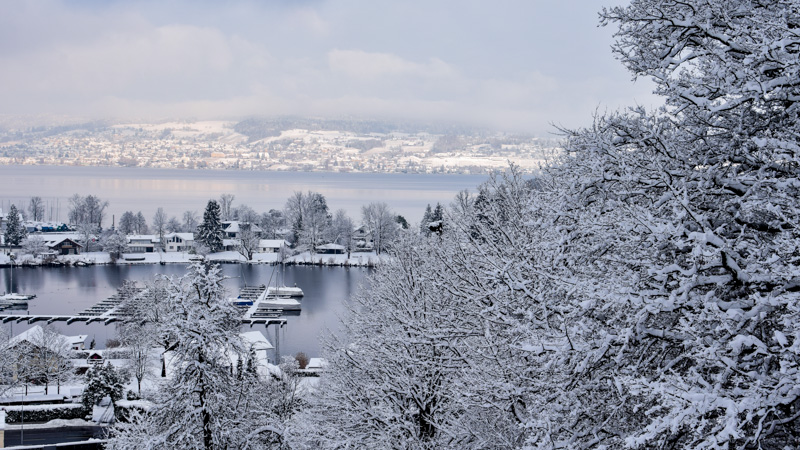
x,y
210,62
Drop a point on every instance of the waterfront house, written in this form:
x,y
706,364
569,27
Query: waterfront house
x,y
142,243
234,228
63,246
271,245
179,242
331,249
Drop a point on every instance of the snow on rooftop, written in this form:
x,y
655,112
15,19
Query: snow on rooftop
x,y
256,339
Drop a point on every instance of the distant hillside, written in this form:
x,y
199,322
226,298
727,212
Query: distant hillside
x,y
260,128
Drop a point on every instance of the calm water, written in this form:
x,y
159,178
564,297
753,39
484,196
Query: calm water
x,y
142,189
68,290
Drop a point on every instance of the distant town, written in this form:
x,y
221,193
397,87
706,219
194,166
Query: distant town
x,y
276,145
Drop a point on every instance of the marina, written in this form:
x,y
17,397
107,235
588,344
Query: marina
x,y
81,300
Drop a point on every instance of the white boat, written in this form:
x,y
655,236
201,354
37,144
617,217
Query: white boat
x,y
284,291
14,297
280,303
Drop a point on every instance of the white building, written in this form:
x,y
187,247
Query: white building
x,y
179,242
142,243
271,245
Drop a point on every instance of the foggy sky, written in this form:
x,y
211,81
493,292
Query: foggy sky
x,y
512,65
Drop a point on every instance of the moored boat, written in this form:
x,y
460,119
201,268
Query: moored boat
x,y
284,291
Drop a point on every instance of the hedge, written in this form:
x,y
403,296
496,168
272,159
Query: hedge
x,y
45,413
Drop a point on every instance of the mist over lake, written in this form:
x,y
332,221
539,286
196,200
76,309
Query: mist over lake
x,y
143,189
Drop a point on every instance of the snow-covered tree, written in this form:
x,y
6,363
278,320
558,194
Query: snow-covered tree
x,y
127,223
704,201
426,219
115,244
160,224
102,380
87,236
308,216
204,405
139,337
209,232
248,241
15,230
226,206
341,230
379,221
34,245
272,222
393,370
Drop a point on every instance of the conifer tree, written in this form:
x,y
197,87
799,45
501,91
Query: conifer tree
x,y
426,219
15,230
102,381
209,232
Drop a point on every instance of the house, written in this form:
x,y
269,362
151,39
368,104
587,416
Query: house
x,y
142,243
63,245
271,245
234,228
95,358
256,341
230,245
331,249
179,242
77,342
35,337
363,238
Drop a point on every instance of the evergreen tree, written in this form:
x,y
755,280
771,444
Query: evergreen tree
x,y
102,381
15,230
438,213
209,232
427,218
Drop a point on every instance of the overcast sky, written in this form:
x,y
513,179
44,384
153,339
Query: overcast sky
x,y
512,65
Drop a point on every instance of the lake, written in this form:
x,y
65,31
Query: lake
x,y
144,189
68,290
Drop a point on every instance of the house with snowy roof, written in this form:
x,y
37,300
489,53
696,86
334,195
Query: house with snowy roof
x,y
234,228
142,243
256,341
178,242
271,245
331,249
63,245
37,337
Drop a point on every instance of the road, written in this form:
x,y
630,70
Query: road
x,y
42,436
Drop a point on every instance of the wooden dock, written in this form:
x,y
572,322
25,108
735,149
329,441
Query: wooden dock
x,y
108,319
112,310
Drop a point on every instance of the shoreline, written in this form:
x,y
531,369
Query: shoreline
x,y
357,259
